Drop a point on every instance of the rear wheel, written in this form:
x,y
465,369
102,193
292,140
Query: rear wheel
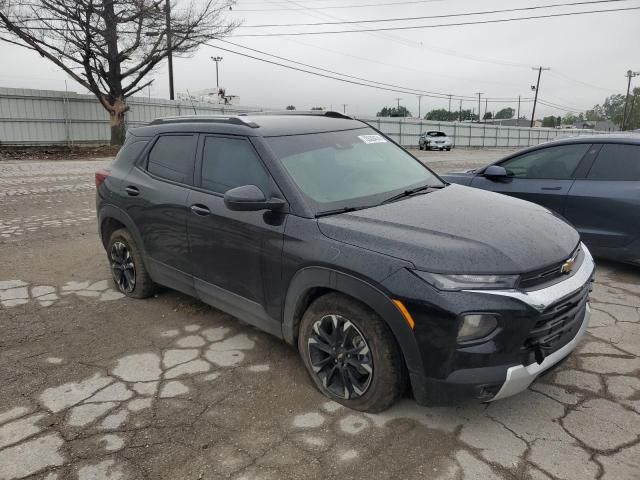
x,y
351,354
127,268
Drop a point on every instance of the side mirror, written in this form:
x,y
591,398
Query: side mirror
x,y
249,198
495,172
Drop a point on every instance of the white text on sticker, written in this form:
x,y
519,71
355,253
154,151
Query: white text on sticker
x,y
372,139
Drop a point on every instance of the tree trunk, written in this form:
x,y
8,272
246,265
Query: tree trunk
x,y
117,112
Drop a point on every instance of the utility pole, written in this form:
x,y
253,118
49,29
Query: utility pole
x,y
486,106
633,103
398,100
479,93
344,108
460,112
449,102
537,87
167,11
629,75
217,60
419,106
518,117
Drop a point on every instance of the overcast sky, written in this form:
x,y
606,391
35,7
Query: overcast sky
x,y
588,56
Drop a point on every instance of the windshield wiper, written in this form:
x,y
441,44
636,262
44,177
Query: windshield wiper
x,y
411,191
338,210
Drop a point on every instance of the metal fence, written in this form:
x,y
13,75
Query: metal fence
x,y
407,131
45,117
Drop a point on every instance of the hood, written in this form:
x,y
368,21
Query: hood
x,y
461,178
459,230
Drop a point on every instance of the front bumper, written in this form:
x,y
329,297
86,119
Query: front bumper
x,y
520,377
506,362
438,146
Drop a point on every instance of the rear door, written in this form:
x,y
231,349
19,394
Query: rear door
x,y
236,255
543,176
157,192
605,206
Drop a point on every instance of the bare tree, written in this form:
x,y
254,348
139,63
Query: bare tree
x,y
110,46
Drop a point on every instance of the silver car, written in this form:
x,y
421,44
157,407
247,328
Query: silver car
x,y
434,140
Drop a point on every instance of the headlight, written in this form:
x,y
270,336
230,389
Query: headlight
x,y
476,325
469,282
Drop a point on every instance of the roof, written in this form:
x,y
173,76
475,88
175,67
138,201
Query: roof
x,y
606,138
268,124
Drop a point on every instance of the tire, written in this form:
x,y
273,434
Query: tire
x,y
124,255
420,146
449,149
377,387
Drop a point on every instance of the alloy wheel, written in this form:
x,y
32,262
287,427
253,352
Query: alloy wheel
x,y
340,356
123,268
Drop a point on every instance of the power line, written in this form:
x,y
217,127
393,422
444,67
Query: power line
x,y
427,17
344,80
561,75
385,4
559,107
403,88
417,91
556,107
418,27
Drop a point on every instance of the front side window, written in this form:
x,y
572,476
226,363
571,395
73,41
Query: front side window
x,y
232,162
616,162
548,163
346,167
172,157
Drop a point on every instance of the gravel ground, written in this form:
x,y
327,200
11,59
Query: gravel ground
x,y
94,386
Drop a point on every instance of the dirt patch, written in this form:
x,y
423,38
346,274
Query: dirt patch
x,y
83,152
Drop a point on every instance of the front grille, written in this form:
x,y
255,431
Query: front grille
x,y
547,275
557,325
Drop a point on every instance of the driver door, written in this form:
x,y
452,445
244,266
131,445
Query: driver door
x,y
542,176
236,256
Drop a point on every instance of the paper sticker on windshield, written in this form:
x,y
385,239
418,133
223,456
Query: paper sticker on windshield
x,y
372,139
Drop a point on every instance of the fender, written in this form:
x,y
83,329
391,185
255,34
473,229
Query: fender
x,y
322,277
108,210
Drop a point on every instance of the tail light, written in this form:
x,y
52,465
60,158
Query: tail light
x,y
101,176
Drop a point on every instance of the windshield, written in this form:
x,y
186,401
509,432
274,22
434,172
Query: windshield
x,y
436,134
351,168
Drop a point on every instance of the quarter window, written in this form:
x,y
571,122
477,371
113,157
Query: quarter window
x,y
232,162
552,162
172,157
617,162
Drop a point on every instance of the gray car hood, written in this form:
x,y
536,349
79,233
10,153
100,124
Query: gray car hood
x,y
459,230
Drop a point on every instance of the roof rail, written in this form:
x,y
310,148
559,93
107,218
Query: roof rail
x,y
315,113
232,119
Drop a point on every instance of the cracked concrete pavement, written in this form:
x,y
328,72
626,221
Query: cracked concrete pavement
x,y
94,386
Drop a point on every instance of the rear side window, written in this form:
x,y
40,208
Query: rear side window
x,y
232,162
617,162
130,152
172,157
552,162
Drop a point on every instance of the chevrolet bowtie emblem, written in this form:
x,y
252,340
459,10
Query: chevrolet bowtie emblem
x,y
568,266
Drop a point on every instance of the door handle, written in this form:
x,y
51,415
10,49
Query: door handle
x,y
551,188
201,210
132,191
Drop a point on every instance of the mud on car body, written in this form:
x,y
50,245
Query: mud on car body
x,y
322,231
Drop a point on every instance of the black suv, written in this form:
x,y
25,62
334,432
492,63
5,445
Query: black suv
x,y
322,231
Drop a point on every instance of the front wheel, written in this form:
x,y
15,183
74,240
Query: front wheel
x,y
127,268
351,354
